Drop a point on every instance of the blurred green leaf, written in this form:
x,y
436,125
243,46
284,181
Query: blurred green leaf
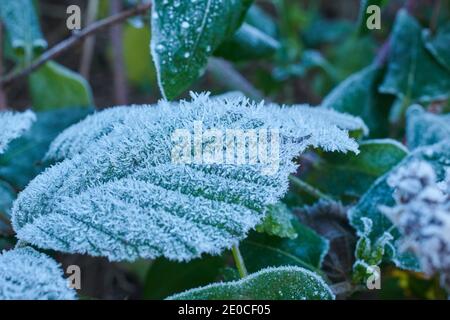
x,y
7,196
283,283
307,250
167,277
325,31
139,68
22,161
278,222
424,128
359,96
54,86
413,74
438,45
23,30
349,176
185,34
259,19
248,43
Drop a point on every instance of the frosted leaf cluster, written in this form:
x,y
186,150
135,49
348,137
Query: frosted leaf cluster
x,y
116,192
422,214
282,283
26,274
13,125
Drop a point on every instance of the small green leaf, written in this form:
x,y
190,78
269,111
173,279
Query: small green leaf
x,y
22,25
185,34
136,54
349,175
413,74
248,43
23,159
380,194
54,86
278,222
359,96
166,277
283,283
424,128
438,45
259,19
307,250
26,274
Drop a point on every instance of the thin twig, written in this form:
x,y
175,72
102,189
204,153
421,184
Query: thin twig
x,y
89,44
73,40
119,80
228,76
307,188
237,256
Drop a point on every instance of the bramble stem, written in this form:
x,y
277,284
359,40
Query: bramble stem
x,y
239,261
309,189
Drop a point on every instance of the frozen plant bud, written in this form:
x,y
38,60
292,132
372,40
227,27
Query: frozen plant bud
x,y
422,214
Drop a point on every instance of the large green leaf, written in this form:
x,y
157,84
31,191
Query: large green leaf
x,y
248,43
350,176
283,283
380,193
26,274
307,250
165,277
22,25
438,44
23,159
358,95
424,128
413,73
185,34
124,190
54,86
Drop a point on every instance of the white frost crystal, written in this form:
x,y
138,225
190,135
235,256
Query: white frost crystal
x,y
117,193
13,125
422,214
26,274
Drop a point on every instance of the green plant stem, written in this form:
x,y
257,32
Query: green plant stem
x,y
237,256
309,189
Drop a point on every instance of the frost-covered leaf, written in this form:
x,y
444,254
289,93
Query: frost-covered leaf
x,y
121,191
424,128
248,43
283,283
349,176
165,277
54,86
26,274
22,25
23,159
307,250
413,73
185,34
13,125
437,44
380,194
278,222
358,95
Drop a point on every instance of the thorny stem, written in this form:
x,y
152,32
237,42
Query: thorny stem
x,y
239,261
307,188
73,40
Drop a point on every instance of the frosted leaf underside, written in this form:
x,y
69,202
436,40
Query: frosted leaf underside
x,y
116,192
13,125
26,274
